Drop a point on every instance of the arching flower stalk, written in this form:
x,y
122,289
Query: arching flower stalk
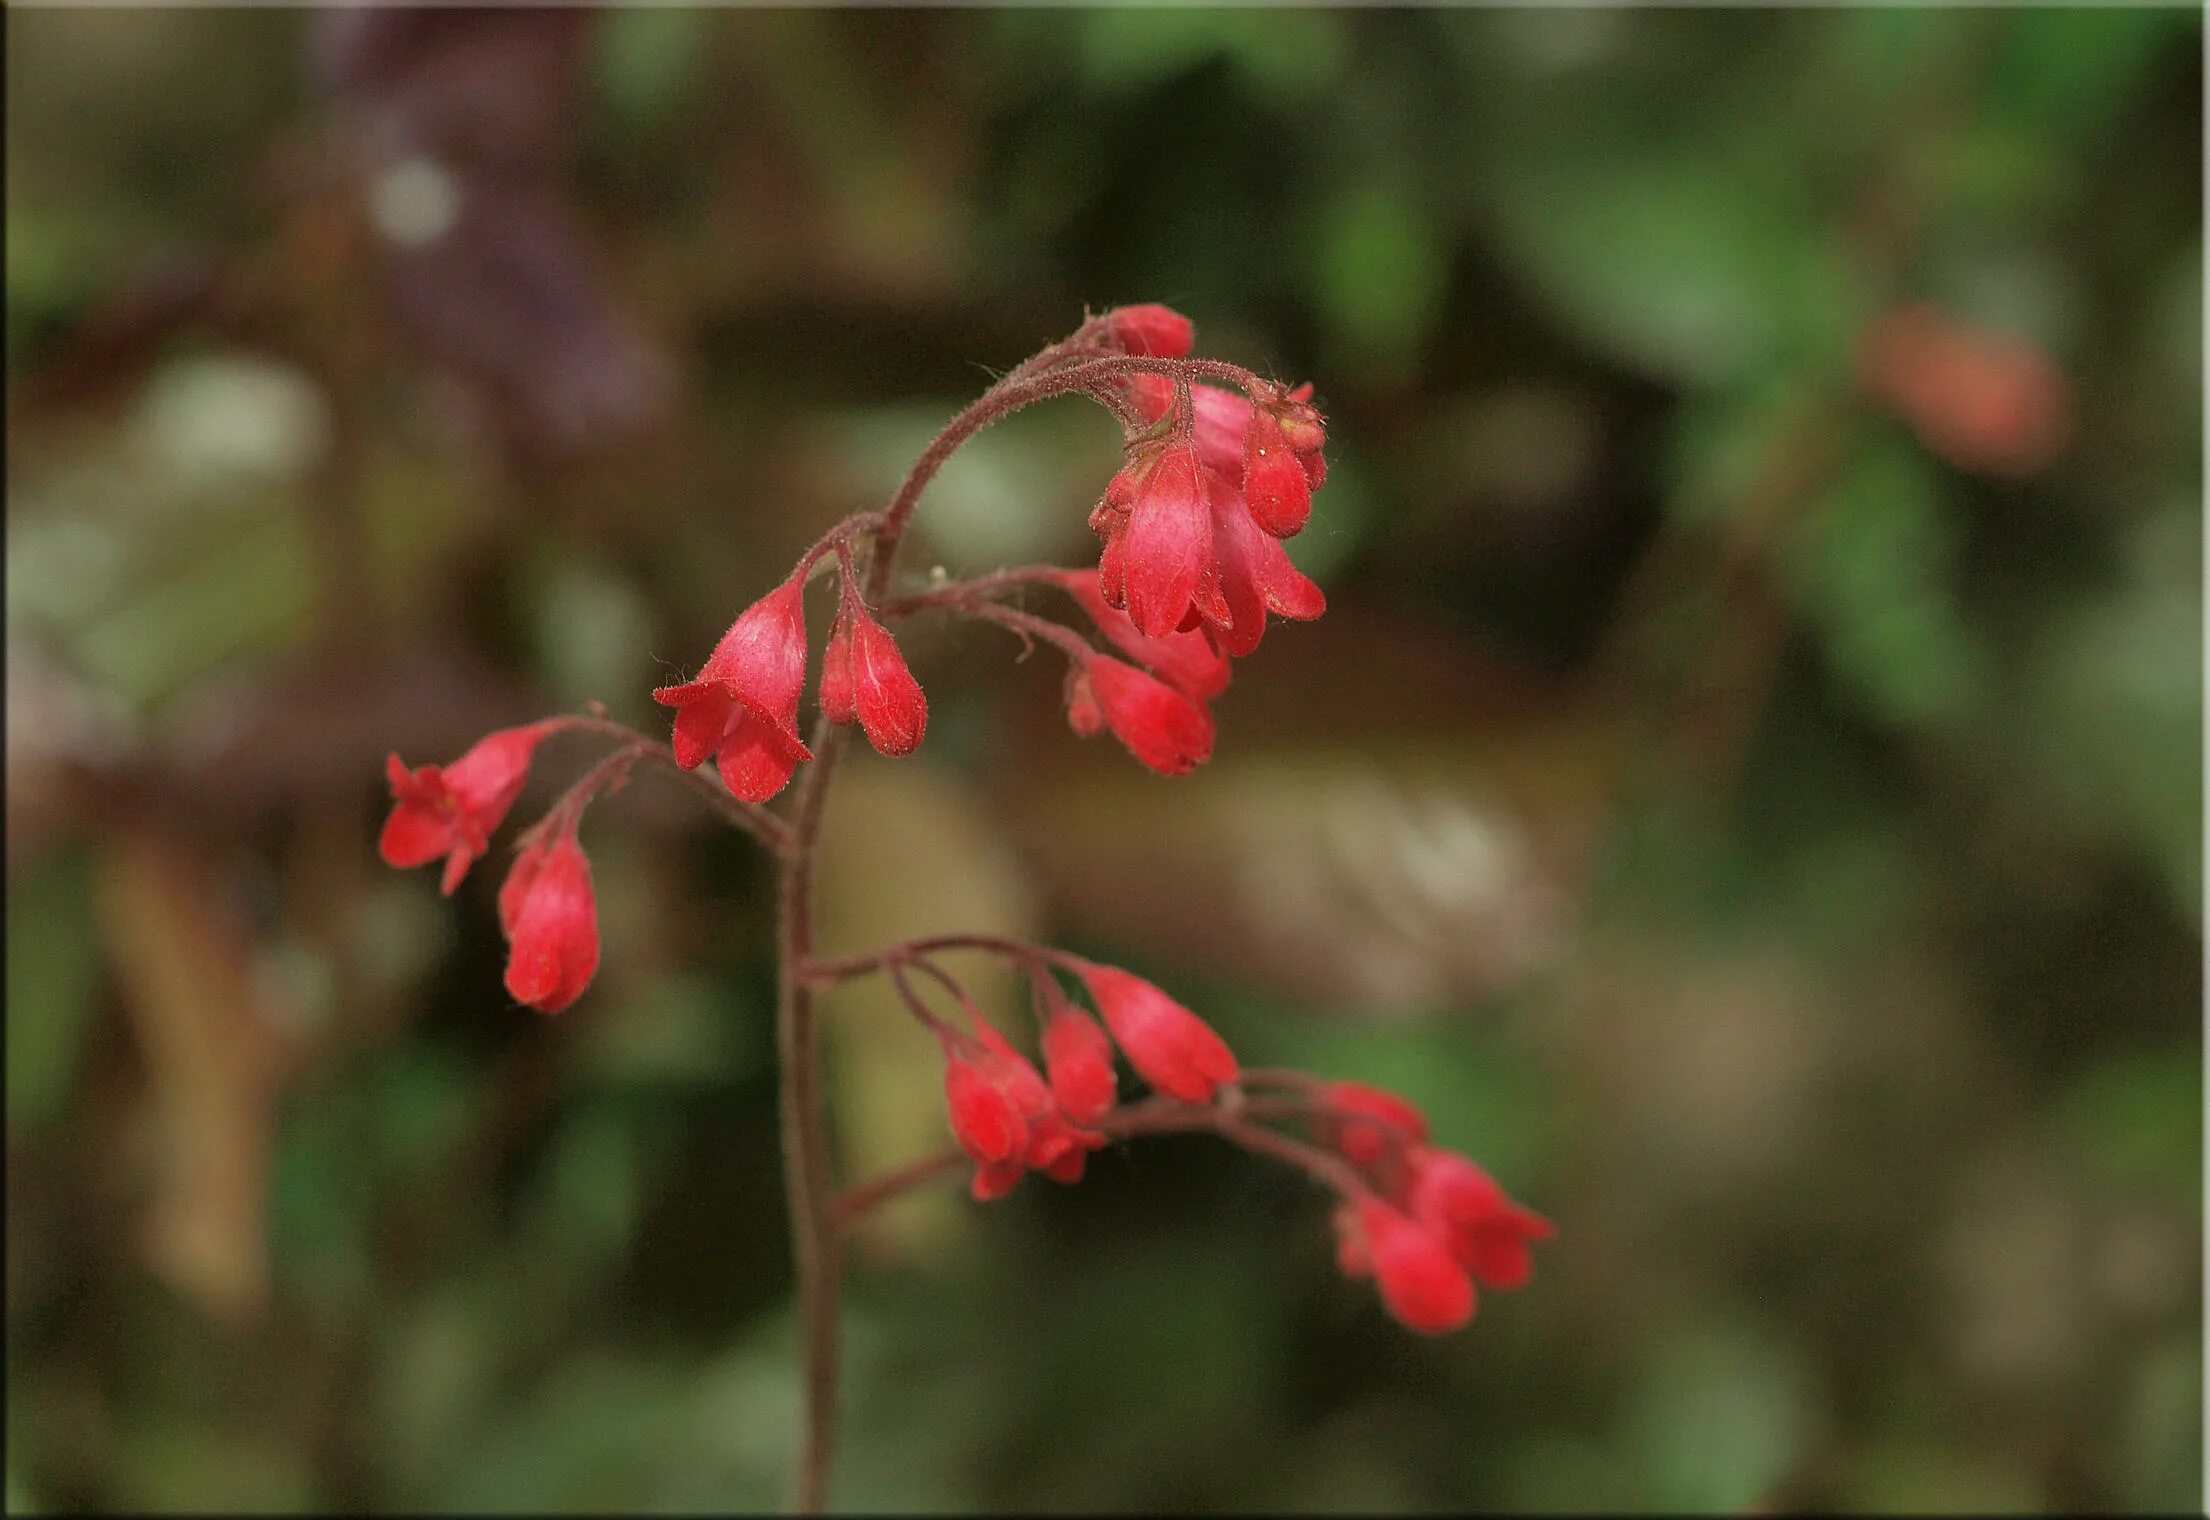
x,y
1220,468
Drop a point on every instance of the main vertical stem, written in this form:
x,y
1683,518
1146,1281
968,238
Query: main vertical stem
x,y
810,1187
816,1251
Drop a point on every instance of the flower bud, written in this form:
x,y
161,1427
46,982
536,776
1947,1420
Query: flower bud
x,y
1079,1059
550,916
1159,331
985,1120
1274,483
1421,1286
1171,1048
891,709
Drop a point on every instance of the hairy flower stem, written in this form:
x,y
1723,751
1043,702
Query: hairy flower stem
x,y
808,1178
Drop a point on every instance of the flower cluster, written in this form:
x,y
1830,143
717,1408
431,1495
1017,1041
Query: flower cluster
x,y
1220,468
1433,1224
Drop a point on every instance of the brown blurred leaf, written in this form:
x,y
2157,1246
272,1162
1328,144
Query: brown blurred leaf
x,y
213,1054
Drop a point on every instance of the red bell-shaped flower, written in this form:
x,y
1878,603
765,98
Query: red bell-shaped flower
x,y
1421,1286
742,707
1185,661
1161,727
1166,543
1487,1233
452,810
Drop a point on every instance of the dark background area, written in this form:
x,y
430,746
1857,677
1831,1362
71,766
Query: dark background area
x,y
1747,786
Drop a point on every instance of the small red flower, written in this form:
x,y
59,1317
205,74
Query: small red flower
x,y
1161,727
1183,660
1167,568
985,1119
1159,331
1274,482
1171,1048
742,707
878,688
551,920
1486,1232
993,1093
1421,1286
1368,1124
1256,576
452,810
1079,1058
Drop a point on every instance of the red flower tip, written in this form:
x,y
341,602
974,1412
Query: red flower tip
x,y
1421,1286
1274,483
838,700
1161,727
1159,331
1486,1232
888,700
994,1179
452,810
742,707
1079,1059
1369,1123
550,915
1183,660
1171,1048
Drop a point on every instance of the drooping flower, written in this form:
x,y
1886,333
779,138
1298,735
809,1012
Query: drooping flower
x,y
985,1119
1368,1124
1161,727
1171,1048
1422,1287
452,810
1167,567
864,675
1487,1233
1186,661
1256,577
1159,331
550,916
1079,1059
742,707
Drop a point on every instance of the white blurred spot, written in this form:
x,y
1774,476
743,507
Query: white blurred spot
x,y
414,202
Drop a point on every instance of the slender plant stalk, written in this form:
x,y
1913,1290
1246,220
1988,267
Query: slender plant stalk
x,y
809,1180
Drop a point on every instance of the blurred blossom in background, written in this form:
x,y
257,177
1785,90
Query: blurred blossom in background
x,y
1747,787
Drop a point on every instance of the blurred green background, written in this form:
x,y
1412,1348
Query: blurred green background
x,y
1747,785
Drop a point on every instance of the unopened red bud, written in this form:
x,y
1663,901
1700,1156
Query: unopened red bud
x,y
1274,483
984,1119
892,711
1171,1048
550,916
1159,331
1079,1059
